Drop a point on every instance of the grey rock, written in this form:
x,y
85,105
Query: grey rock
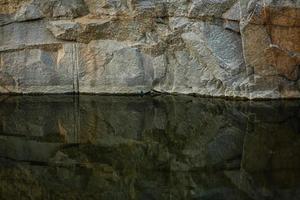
x,y
6,19
112,67
81,30
34,71
232,25
208,65
234,13
26,34
61,8
66,30
28,12
210,8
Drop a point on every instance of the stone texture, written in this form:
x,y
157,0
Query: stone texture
x,y
211,62
113,67
17,36
28,12
209,8
10,6
270,33
35,70
233,48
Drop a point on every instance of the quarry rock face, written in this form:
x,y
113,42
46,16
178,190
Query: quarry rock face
x,y
271,41
233,48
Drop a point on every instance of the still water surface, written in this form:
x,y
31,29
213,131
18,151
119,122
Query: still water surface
x,y
162,147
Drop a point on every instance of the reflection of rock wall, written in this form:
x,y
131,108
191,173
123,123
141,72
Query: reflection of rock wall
x,y
148,147
237,48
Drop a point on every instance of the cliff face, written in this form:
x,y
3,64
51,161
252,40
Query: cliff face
x,y
237,48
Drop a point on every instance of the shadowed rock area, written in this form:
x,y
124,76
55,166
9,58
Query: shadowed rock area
x,y
150,147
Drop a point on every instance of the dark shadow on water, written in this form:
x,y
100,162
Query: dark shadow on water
x,y
162,147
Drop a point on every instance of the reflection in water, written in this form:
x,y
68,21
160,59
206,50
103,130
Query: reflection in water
x,y
163,147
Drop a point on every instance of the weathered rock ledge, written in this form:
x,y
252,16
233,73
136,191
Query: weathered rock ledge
x,y
232,48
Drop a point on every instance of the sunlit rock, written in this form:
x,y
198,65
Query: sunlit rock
x,y
17,36
270,33
233,48
209,8
28,12
34,70
113,67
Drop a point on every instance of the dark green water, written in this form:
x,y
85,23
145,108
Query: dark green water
x,y
163,147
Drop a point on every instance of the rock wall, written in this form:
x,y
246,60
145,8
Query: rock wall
x,y
235,48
